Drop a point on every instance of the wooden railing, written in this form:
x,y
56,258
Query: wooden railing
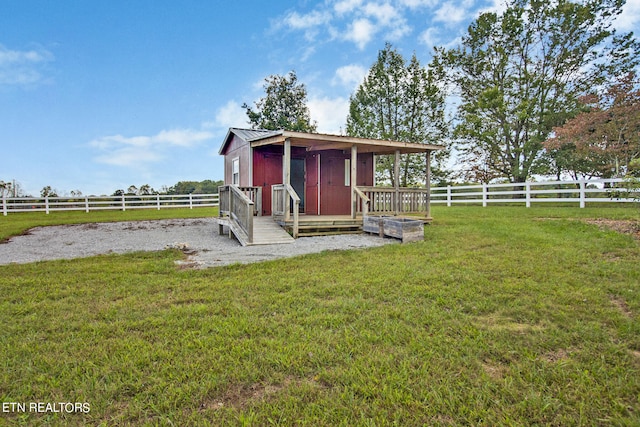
x,y
396,201
255,195
362,202
281,197
240,209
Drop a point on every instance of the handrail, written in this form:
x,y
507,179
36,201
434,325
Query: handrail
x,y
255,195
240,209
365,201
281,197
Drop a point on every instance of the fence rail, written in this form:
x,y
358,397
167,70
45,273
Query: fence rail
x,y
91,203
579,192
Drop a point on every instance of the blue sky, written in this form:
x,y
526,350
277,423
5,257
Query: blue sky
x,y
98,95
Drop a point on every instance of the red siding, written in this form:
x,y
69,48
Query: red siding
x,y
267,171
365,170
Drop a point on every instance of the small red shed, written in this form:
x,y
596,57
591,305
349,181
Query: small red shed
x,y
324,170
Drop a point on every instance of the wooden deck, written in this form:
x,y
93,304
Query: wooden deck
x,y
321,225
267,231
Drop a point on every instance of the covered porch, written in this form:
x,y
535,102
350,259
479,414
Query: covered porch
x,y
335,189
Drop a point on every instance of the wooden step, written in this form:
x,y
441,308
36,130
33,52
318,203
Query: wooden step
x,y
265,232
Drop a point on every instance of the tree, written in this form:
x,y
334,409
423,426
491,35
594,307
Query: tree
x,y
283,107
604,139
195,187
521,73
6,189
48,192
146,190
400,102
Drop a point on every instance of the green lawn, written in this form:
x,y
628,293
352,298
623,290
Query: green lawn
x,y
502,316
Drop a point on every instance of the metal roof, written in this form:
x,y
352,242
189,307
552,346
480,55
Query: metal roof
x,y
313,142
247,135
251,134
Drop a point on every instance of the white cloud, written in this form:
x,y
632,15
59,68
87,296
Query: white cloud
x,y
181,137
136,150
383,13
387,16
496,6
357,21
450,13
330,113
129,157
415,4
361,31
23,67
346,6
630,17
430,37
350,76
313,19
229,115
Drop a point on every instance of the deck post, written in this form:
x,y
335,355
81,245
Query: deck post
x,y
428,185
354,181
396,182
286,177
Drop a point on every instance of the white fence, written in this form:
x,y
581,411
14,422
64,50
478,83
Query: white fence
x,y
572,192
123,203
566,192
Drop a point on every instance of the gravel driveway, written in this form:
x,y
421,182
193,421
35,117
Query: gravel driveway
x,y
197,237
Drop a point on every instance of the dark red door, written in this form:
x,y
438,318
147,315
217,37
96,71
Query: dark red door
x,y
267,171
335,196
311,185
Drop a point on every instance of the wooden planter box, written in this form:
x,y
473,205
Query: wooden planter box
x,y
373,224
405,229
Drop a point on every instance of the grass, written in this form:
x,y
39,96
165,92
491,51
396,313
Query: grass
x,y
502,316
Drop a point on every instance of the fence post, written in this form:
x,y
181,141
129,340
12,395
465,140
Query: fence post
x,y
46,204
190,201
124,205
484,195
4,204
158,200
527,187
448,195
86,204
583,194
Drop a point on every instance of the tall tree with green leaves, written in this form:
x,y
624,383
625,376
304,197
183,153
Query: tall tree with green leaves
x,y
400,101
520,73
283,107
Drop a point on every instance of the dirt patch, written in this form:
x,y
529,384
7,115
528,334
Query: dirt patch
x,y
494,371
621,305
240,397
630,227
556,356
502,323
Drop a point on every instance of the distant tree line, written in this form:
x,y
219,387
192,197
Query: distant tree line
x,y
182,187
